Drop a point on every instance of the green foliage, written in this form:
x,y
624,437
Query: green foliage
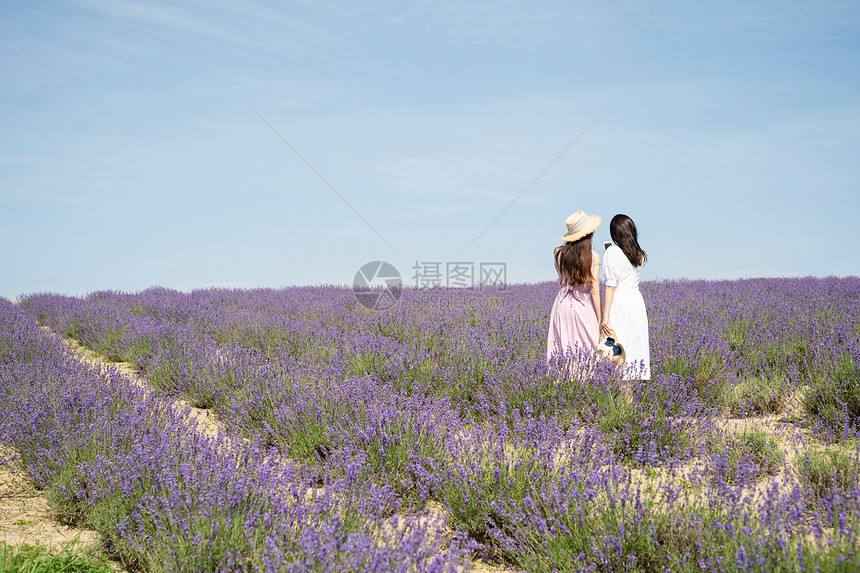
x,y
705,370
67,508
200,544
305,438
638,417
74,330
634,541
549,397
764,355
165,376
828,471
141,309
688,541
757,396
755,446
490,477
834,395
39,559
206,394
371,363
270,341
141,348
111,344
759,447
390,457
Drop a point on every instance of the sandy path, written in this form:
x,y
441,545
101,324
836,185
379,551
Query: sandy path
x,y
26,518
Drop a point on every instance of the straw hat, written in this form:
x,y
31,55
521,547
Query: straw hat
x,y
579,225
609,347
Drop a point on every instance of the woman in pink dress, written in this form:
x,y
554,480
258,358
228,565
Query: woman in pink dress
x,y
575,317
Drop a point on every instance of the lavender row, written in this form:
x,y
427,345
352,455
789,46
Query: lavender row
x,y
447,398
289,368
737,348
125,462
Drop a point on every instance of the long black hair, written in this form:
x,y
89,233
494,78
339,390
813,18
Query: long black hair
x,y
622,229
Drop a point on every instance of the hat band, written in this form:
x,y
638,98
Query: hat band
x,y
579,225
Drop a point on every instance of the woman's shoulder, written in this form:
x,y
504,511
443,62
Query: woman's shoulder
x,y
615,256
612,252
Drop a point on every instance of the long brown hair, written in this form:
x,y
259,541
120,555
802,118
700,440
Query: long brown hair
x,y
573,262
622,229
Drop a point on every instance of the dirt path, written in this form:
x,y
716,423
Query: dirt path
x,y
26,518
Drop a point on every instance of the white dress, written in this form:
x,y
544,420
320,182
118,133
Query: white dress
x,y
627,315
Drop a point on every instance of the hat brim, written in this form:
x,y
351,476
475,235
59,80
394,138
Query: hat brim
x,y
590,227
600,345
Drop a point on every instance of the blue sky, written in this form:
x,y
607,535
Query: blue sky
x,y
134,153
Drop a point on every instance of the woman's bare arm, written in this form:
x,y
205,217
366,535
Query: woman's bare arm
x,y
610,295
595,290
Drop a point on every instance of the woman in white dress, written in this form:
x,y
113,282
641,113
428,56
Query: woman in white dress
x,y
624,310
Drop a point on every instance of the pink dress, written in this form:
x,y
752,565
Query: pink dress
x,y
572,320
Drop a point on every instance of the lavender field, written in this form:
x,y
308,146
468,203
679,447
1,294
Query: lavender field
x,y
433,436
